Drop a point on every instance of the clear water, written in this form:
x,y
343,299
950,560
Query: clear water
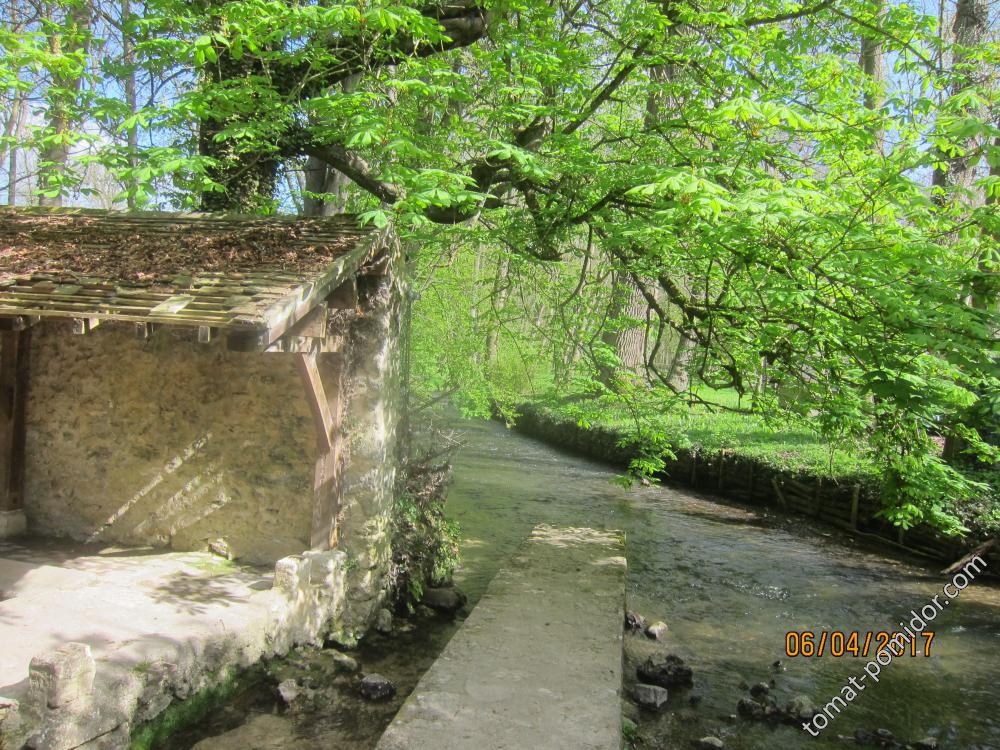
x,y
730,582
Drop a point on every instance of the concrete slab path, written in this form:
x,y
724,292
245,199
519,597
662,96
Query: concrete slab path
x,y
114,600
538,663
94,641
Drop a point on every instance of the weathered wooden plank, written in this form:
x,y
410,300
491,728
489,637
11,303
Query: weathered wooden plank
x,y
175,304
78,302
15,347
283,315
219,320
319,403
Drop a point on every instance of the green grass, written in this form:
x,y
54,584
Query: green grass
x,y
697,427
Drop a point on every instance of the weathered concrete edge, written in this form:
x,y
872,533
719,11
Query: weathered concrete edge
x,y
77,701
424,709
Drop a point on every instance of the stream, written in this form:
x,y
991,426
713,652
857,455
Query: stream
x,y
729,581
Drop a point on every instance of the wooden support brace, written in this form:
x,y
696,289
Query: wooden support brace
x,y
312,325
308,335
14,352
326,405
206,334
319,403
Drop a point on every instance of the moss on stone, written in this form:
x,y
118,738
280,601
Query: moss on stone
x,y
184,714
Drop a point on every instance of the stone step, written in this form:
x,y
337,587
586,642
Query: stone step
x,y
538,663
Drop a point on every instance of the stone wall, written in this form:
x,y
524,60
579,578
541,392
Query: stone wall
x,y
176,444
168,443
375,439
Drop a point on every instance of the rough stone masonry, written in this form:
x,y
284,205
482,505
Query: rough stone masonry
x,y
180,446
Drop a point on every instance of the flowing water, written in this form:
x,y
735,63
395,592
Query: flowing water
x,y
730,582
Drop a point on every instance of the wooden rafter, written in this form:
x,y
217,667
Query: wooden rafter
x,y
252,308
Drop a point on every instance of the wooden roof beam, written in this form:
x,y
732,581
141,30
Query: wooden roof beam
x,y
282,316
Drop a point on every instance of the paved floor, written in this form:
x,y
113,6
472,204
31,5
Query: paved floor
x,y
538,662
132,605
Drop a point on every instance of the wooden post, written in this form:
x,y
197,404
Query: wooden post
x,y
326,403
855,498
14,351
779,493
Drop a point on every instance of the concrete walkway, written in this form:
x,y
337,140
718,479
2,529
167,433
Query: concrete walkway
x,y
538,663
94,640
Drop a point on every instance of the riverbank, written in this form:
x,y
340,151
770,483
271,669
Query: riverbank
x,y
730,582
848,500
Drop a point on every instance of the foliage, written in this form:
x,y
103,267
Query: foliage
x,y
665,427
425,543
633,199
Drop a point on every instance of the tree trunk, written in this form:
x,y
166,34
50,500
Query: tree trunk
x,y
678,375
959,172
498,296
61,99
248,177
631,341
873,66
12,130
128,57
969,29
322,179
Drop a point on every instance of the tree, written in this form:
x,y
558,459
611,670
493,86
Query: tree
x,y
764,235
69,44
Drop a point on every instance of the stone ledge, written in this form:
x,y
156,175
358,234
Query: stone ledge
x,y
92,695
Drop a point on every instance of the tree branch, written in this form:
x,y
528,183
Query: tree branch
x,y
464,22
605,93
802,12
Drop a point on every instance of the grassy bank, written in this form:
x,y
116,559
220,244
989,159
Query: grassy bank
x,y
789,448
703,429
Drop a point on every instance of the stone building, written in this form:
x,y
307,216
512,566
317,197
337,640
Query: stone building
x,y
194,382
